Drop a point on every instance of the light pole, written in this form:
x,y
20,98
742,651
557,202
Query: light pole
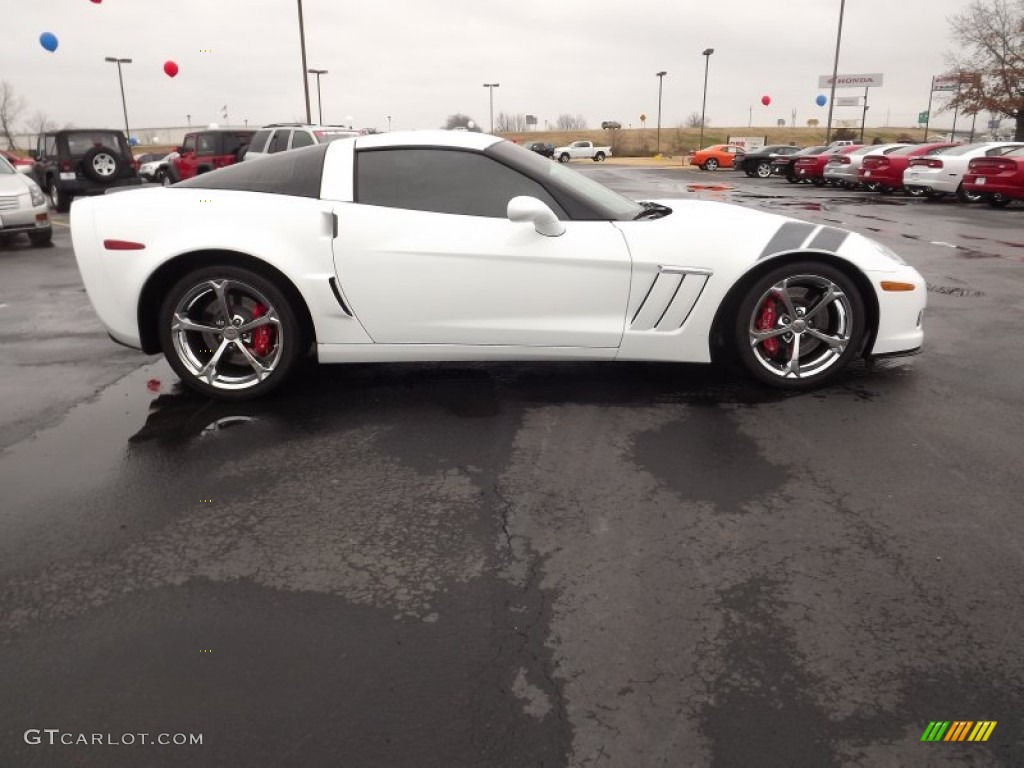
x,y
835,71
389,122
120,79
305,80
706,53
492,86
319,102
661,77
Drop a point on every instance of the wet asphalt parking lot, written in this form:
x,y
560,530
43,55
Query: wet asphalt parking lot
x,y
569,564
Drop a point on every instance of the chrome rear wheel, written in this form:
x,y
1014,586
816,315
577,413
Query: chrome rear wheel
x,y
229,333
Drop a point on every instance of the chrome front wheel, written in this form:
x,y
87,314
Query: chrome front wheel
x,y
229,333
800,325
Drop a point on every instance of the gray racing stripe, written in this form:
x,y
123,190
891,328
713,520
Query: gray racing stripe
x,y
790,236
828,240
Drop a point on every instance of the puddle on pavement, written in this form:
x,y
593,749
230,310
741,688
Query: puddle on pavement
x,y
85,449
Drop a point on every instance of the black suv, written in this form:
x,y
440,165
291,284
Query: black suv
x,y
77,161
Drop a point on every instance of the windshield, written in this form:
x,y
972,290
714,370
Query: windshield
x,y
558,178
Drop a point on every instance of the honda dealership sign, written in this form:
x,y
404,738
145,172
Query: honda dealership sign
x,y
873,80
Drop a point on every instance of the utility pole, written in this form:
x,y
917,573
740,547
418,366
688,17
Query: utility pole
x,y
305,80
660,76
835,71
491,87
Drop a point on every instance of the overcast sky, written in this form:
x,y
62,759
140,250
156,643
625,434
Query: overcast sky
x,y
421,60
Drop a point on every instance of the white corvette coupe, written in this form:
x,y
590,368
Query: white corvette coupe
x,y
460,246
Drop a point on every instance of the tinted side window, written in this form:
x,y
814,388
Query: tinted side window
x,y
442,181
280,141
207,144
301,139
259,141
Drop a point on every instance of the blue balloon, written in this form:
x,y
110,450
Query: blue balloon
x,y
821,101
49,41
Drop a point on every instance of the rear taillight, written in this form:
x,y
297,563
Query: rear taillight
x,y
65,166
843,160
926,162
136,165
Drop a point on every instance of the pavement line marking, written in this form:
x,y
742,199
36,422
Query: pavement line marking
x,y
59,223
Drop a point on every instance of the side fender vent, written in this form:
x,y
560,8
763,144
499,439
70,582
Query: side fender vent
x,y
670,299
337,295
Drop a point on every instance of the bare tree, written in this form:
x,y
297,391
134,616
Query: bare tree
x,y
991,59
40,123
11,107
567,122
459,120
693,120
505,122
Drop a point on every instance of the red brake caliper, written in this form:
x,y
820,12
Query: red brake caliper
x,y
765,322
263,336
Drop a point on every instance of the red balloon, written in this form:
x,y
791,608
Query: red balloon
x,y
170,68
766,100
97,2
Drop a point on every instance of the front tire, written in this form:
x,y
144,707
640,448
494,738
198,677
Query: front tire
x,y
61,201
230,333
967,197
563,158
40,239
763,170
710,164
798,326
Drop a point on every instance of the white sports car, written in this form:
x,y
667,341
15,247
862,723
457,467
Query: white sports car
x,y
461,246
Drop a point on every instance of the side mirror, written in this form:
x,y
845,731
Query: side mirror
x,y
34,154
524,208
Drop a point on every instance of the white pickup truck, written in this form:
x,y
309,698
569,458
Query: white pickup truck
x,y
582,150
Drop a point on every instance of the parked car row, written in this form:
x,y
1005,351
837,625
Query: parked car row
x,y
988,171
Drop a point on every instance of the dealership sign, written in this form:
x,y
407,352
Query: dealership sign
x,y
873,80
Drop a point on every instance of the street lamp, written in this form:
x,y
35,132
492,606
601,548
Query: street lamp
x,y
305,80
706,53
660,76
835,71
120,79
319,103
389,122
492,86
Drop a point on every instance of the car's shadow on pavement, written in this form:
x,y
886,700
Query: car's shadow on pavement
x,y
484,390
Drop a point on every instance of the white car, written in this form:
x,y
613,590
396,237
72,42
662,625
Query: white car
x,y
153,167
280,137
842,169
24,208
445,245
942,174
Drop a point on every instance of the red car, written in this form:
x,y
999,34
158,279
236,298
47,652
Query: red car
x,y
812,167
21,164
207,150
884,173
999,180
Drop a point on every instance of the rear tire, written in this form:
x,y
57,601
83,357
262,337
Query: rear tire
x,y
763,170
997,200
599,157
203,322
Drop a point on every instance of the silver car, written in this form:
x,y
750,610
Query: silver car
x,y
841,170
23,207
